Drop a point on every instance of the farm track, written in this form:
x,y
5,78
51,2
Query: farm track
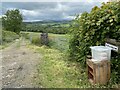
x,y
19,65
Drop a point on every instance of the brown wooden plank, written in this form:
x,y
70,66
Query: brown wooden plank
x,y
109,71
90,63
100,73
97,74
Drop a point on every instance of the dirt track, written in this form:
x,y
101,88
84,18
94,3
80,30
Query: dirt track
x,y
19,65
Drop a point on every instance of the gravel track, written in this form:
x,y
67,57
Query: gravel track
x,y
19,65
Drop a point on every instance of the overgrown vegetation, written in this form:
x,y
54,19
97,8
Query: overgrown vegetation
x,y
92,29
8,36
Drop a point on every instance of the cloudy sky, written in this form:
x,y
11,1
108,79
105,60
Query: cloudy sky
x,y
35,11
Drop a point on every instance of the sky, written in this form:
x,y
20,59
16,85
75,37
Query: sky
x,y
38,11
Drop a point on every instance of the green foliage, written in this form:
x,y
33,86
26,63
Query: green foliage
x,y
92,28
115,66
36,40
12,21
8,36
49,28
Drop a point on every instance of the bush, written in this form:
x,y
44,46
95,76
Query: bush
x,y
8,36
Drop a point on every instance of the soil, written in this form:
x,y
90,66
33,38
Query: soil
x,y
19,65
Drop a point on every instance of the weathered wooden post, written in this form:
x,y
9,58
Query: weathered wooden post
x,y
44,38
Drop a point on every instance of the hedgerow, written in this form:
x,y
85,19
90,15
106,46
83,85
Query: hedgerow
x,y
92,29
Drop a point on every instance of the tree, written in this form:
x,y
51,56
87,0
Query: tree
x,y
12,21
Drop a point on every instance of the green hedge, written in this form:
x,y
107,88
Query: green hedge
x,y
91,29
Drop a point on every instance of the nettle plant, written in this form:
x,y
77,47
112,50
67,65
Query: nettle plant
x,y
91,29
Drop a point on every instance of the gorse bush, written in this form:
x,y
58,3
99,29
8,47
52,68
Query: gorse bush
x,y
91,29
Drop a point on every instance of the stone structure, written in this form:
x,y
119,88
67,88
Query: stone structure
x,y
44,39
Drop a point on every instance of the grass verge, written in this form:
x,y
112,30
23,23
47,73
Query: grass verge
x,y
55,71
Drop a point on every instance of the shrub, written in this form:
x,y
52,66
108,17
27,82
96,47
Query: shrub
x,y
8,36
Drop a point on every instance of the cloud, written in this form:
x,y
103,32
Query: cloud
x,y
54,0
61,7
29,12
50,10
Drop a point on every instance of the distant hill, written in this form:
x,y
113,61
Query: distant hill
x,y
49,21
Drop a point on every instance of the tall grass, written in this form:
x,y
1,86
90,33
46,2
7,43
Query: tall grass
x,y
8,36
34,38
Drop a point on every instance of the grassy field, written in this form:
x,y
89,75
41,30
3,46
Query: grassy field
x,y
55,70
